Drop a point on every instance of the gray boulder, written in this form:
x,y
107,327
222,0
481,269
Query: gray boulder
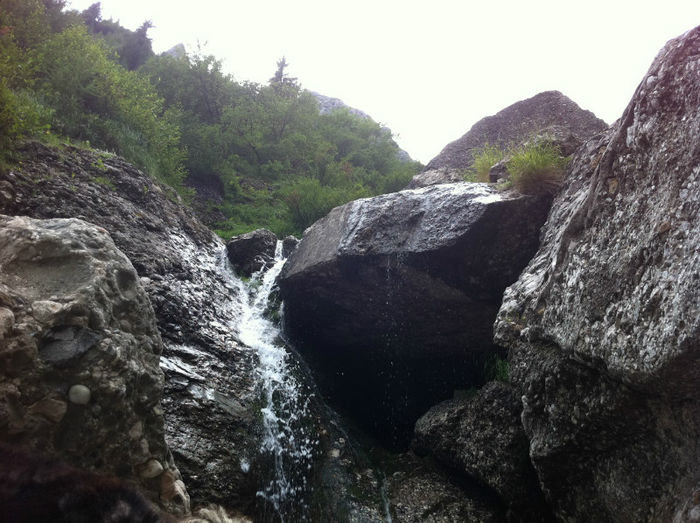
x,y
549,114
393,297
250,252
604,323
79,374
481,435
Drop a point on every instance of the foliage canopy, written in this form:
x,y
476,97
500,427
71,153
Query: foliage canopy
x,y
263,154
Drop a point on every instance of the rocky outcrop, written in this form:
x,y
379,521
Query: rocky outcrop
x,y
79,376
604,324
250,252
548,114
392,298
210,397
481,435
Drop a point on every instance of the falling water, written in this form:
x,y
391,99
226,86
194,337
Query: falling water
x,y
287,440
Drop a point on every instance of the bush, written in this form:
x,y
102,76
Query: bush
x,y
484,158
537,168
97,100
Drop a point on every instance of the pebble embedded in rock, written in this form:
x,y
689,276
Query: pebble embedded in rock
x,y
152,469
79,395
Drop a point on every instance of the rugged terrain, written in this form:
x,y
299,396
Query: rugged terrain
x,y
595,419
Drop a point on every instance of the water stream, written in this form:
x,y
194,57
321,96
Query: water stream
x,y
288,441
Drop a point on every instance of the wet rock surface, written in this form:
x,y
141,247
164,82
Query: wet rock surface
x,y
392,298
210,399
417,490
250,252
482,436
79,354
604,324
546,114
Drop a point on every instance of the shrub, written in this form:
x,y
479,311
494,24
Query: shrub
x,y
484,158
537,168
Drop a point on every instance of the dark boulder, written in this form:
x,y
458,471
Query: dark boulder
x,y
288,245
392,298
481,436
549,114
604,323
250,252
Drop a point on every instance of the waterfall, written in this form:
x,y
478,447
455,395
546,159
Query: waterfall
x,y
288,441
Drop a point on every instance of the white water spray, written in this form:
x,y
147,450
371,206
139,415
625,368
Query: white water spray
x,y
287,435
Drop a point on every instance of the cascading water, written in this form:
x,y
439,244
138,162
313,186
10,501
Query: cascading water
x,y
287,439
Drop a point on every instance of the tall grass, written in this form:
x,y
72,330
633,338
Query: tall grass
x,y
484,158
537,169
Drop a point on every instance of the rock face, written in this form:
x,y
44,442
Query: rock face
x,y
79,355
604,324
549,113
378,294
250,252
210,396
482,436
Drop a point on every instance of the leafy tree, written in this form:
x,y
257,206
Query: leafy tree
x,y
97,100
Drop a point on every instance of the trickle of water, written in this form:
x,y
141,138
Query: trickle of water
x,y
288,439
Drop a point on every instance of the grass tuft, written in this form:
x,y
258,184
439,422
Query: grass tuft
x,y
537,169
484,158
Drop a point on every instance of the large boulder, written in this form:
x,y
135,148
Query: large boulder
x,y
79,354
392,298
604,324
481,436
549,114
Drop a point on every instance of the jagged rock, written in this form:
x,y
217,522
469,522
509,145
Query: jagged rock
x,y
604,324
548,114
210,399
482,436
392,298
79,374
250,252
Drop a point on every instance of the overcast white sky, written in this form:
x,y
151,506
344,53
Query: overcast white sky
x,y
427,69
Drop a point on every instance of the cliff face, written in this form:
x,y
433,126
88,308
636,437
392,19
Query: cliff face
x,y
604,323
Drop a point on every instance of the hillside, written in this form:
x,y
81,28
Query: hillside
x,y
247,155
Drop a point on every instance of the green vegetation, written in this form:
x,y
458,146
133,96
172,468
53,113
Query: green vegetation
x,y
496,369
270,157
483,159
537,168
